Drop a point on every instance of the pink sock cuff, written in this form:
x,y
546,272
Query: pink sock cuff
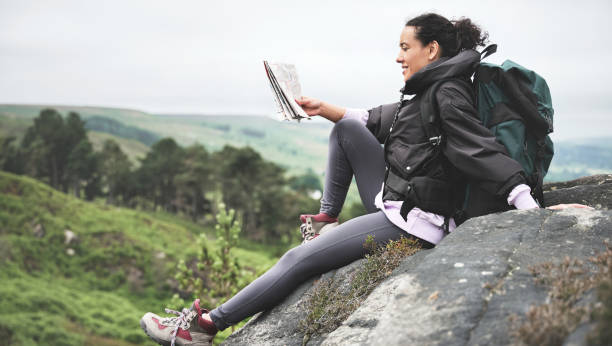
x,y
320,217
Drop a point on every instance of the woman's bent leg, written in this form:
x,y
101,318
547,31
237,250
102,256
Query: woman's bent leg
x,y
329,251
353,149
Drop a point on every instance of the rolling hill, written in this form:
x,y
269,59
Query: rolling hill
x,y
297,147
76,272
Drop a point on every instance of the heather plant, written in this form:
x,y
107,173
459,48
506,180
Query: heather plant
x,y
328,304
568,283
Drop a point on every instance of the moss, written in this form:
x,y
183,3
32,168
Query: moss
x,y
328,304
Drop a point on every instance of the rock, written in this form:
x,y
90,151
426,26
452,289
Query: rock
x,y
461,292
39,230
598,179
135,278
280,326
594,191
69,236
160,255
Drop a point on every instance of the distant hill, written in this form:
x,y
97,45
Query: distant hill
x,y
134,149
294,146
578,158
114,127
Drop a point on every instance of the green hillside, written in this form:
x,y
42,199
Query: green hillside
x,y
93,289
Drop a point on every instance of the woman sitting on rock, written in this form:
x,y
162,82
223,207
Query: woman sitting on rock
x,y
431,48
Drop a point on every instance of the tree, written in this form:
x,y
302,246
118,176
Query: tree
x,y
44,146
307,182
80,158
10,156
240,176
158,171
48,145
193,182
82,165
115,170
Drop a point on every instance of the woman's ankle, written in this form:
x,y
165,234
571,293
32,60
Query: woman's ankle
x,y
320,217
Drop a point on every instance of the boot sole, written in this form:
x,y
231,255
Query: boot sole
x,y
159,341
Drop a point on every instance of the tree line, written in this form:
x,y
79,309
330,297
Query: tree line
x,y
176,179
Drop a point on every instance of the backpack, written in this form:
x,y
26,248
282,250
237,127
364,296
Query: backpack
x,y
515,104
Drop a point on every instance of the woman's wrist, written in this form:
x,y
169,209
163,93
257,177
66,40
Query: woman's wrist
x,y
331,112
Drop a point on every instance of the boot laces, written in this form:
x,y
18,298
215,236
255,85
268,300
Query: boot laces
x,y
307,235
182,320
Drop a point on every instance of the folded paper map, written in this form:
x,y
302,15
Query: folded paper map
x,y
286,88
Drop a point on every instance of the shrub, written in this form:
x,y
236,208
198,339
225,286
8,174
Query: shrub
x,y
328,304
567,283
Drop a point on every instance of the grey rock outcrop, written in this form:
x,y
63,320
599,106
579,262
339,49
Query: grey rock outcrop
x,y
594,191
463,291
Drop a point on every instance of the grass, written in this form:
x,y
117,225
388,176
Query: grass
x,y
329,303
122,267
568,283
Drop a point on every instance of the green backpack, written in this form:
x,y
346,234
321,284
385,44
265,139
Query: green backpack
x,y
515,104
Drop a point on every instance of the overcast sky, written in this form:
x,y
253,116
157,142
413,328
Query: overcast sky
x,y
206,56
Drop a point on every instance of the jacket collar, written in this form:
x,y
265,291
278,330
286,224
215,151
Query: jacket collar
x,y
460,65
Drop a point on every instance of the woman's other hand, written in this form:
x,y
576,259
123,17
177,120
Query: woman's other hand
x,y
328,111
567,206
310,105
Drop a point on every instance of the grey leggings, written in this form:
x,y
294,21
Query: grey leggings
x,y
352,150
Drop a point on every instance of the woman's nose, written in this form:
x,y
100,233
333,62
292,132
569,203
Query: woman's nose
x,y
399,58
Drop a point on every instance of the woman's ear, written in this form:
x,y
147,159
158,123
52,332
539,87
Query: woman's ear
x,y
434,50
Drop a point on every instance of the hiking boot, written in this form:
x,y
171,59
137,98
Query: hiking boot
x,y
314,225
187,328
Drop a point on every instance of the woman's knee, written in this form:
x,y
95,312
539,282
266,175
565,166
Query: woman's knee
x,y
348,127
291,257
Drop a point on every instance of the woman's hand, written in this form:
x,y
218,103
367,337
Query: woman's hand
x,y
566,206
328,111
310,105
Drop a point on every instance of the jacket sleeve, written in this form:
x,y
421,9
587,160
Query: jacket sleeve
x,y
471,147
380,119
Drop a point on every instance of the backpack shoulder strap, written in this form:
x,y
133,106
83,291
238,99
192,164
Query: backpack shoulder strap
x,y
430,114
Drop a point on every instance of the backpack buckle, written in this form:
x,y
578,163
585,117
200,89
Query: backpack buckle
x,y
435,141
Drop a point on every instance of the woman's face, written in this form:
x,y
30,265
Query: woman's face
x,y
413,56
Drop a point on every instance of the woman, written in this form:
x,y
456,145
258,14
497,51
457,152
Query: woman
x,y
431,48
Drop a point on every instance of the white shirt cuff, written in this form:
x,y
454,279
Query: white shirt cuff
x,y
520,197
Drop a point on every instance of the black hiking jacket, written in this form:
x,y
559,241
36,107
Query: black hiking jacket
x,y
469,150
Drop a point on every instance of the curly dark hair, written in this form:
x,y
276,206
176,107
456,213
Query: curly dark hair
x,y
452,36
